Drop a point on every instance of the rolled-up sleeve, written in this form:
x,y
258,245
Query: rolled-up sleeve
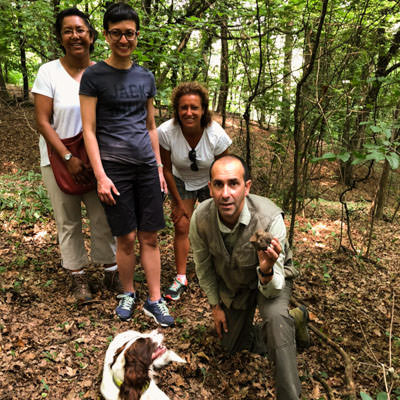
x,y
205,269
277,283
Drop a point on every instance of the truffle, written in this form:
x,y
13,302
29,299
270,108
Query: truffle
x,y
261,240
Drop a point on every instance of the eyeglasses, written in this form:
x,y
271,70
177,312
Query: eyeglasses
x,y
79,31
116,35
192,158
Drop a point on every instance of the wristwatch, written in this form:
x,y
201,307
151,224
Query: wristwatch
x,y
263,274
67,156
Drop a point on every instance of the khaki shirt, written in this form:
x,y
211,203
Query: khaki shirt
x,y
231,276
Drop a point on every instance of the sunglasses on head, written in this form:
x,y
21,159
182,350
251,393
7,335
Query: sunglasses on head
x,y
192,158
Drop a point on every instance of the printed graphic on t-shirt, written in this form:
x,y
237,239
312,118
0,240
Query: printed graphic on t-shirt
x,y
127,99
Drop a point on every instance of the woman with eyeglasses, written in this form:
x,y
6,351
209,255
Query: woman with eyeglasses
x,y
122,143
56,93
189,143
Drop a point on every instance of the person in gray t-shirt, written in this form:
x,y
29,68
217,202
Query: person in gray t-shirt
x,y
120,134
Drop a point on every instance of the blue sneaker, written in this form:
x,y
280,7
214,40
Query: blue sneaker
x,y
159,311
125,306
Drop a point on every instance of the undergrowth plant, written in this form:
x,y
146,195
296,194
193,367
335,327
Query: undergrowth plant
x,y
23,198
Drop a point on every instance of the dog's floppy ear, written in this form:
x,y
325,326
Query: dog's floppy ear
x,y
166,358
137,363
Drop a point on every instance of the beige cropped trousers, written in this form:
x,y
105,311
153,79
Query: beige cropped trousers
x,y
68,216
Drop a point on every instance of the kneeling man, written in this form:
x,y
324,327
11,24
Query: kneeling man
x,y
236,278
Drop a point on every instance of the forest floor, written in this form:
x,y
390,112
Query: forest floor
x,y
51,348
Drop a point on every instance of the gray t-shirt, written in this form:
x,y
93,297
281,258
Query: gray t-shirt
x,y
121,111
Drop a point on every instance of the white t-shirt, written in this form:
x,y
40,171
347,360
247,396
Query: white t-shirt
x,y
213,142
55,82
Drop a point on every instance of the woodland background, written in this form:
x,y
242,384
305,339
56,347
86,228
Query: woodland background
x,y
309,92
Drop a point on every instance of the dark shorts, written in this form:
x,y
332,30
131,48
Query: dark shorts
x,y
139,205
199,194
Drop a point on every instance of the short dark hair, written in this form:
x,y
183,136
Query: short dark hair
x,y
192,88
120,12
246,175
72,11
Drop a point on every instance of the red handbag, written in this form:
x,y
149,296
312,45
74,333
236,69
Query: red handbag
x,y
64,179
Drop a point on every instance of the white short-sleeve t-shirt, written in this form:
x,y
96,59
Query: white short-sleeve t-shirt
x,y
213,142
54,81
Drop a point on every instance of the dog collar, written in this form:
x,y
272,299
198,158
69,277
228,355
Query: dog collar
x,y
118,383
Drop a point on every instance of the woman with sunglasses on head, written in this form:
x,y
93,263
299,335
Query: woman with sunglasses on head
x,y
189,143
122,144
56,93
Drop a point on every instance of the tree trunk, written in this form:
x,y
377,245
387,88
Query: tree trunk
x,y
287,68
22,52
382,71
23,67
3,88
224,72
383,182
246,114
147,10
54,47
298,123
382,190
203,62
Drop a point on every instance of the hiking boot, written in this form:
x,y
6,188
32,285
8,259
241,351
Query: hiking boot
x,y
159,311
80,288
111,281
125,306
175,291
301,318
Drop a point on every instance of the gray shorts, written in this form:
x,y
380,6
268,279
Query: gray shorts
x,y
200,194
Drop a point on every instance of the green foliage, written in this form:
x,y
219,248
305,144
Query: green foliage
x,y
381,149
25,196
379,396
327,275
348,106
384,147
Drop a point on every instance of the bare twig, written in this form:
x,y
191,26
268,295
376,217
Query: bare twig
x,y
369,347
28,124
395,211
390,332
385,369
324,383
348,365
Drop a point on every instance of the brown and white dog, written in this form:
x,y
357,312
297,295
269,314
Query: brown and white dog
x,y
128,366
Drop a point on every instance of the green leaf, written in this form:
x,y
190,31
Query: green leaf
x,y
365,396
393,160
45,385
375,128
388,133
326,156
139,277
381,396
344,157
358,160
375,155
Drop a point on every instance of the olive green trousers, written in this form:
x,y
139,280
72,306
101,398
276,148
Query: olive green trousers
x,y
275,337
